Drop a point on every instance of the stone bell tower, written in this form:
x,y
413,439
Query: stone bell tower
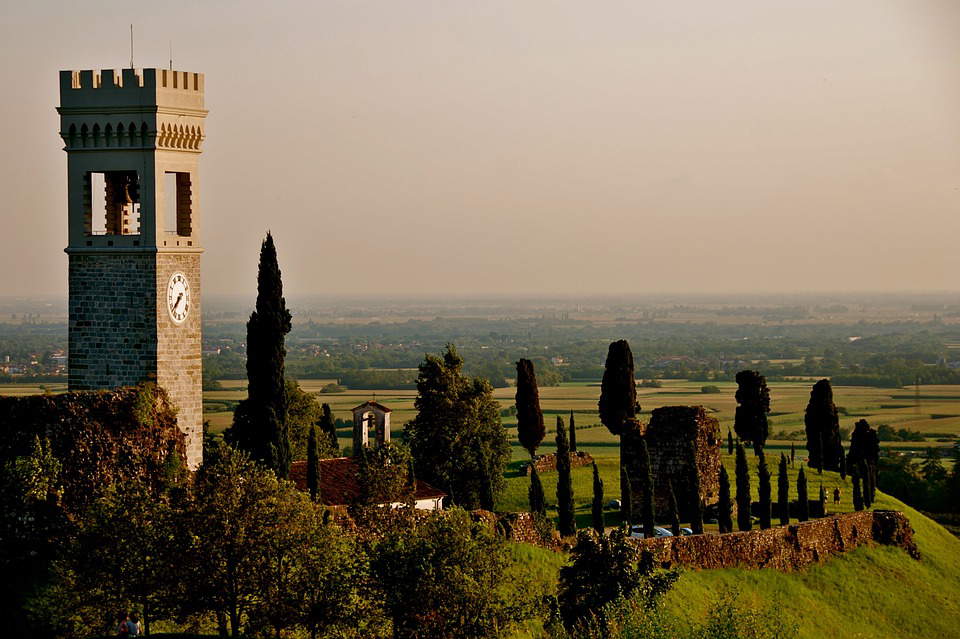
x,y
133,152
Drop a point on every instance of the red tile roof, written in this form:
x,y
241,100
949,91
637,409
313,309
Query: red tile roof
x,y
339,485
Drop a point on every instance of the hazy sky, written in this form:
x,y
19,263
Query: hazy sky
x,y
519,146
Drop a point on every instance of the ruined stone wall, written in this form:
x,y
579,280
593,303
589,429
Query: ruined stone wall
x,y
548,462
784,548
677,438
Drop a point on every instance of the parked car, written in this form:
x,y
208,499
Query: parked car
x,y
613,504
686,531
658,531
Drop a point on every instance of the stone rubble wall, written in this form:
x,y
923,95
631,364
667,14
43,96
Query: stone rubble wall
x,y
548,462
784,548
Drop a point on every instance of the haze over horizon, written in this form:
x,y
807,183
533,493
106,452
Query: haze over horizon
x,y
553,148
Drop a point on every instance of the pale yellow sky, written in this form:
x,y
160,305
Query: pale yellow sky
x,y
546,147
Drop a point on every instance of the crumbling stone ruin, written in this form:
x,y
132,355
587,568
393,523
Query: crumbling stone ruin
x,y
678,438
548,462
785,548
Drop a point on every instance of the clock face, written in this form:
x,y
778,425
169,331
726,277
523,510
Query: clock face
x,y
178,298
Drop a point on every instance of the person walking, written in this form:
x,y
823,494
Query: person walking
x,y
123,630
133,626
836,496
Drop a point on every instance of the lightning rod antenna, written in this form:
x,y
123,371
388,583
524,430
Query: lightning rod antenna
x,y
131,45
171,55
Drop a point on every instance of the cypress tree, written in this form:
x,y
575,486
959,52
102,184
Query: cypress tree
x,y
857,493
626,498
573,434
567,525
597,512
674,510
538,502
843,463
793,453
823,499
313,465
822,424
803,505
618,389
753,404
764,489
867,479
328,426
530,428
783,491
696,521
648,509
743,490
724,507
729,442
260,421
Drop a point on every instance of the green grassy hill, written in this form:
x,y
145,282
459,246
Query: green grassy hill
x,y
873,592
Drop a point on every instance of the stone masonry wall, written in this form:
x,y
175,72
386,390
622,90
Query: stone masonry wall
x,y
179,351
677,437
784,548
112,334
548,462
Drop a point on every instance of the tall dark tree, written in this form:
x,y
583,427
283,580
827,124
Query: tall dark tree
x,y
530,428
864,445
743,490
729,442
626,498
618,389
793,453
822,422
566,524
765,492
823,498
803,502
783,492
538,502
696,504
867,477
647,508
260,421
674,510
573,433
753,404
857,491
328,427
457,440
597,512
843,463
313,465
724,506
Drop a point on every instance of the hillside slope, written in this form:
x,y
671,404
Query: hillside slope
x,y
872,592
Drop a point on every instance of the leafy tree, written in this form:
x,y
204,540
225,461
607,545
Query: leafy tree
x,y
530,428
764,489
822,423
932,467
647,508
753,404
783,491
383,474
260,421
864,445
597,510
618,389
724,506
573,434
566,523
328,426
303,412
602,570
457,440
674,510
444,577
743,490
237,505
313,466
803,503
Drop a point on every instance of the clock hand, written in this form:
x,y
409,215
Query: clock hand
x,y
179,299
